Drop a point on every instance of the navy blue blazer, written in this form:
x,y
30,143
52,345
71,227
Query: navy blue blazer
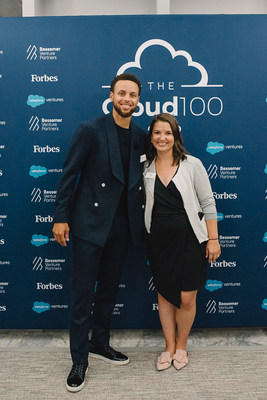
x,y
92,181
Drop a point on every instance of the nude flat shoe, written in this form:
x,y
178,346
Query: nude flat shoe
x,y
164,361
180,359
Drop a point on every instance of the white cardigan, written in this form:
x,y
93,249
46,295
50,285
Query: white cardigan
x,y
194,186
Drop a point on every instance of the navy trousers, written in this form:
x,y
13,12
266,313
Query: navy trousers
x,y
95,282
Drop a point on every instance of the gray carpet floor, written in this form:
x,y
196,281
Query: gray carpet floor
x,y
210,375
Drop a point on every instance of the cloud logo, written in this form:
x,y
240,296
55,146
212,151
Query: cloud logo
x,y
220,217
35,100
40,307
264,304
213,285
37,170
265,169
39,240
265,237
214,147
174,53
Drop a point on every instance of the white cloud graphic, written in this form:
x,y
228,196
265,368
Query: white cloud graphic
x,y
174,53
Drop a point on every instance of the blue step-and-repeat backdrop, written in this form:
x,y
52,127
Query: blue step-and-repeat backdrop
x,y
208,71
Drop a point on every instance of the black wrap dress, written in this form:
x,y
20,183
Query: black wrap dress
x,y
176,258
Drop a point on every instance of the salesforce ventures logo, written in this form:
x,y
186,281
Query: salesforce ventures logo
x,y
36,171
39,240
35,100
212,285
264,304
40,307
214,147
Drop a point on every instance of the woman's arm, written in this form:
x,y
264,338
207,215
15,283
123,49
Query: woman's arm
x,y
213,249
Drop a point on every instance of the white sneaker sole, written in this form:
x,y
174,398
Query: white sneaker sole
x,y
98,356
77,388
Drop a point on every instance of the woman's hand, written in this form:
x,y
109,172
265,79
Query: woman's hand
x,y
213,250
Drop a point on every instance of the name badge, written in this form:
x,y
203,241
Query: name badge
x,y
142,158
150,175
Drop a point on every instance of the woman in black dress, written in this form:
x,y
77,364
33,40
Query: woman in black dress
x,y
181,220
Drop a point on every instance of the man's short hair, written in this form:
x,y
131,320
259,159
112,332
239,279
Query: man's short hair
x,y
125,77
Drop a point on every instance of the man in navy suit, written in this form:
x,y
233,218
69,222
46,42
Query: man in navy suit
x,y
100,202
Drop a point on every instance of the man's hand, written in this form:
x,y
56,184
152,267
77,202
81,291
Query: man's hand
x,y
61,233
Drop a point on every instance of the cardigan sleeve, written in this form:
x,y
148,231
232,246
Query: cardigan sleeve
x,y
204,191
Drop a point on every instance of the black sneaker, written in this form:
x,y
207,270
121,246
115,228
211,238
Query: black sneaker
x,y
75,381
108,354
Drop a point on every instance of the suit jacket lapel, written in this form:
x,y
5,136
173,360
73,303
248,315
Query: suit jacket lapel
x,y
114,149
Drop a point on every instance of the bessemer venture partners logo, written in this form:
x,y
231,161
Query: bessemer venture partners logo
x,y
42,53
213,307
47,196
3,287
47,124
222,172
48,264
176,105
151,285
2,147
3,217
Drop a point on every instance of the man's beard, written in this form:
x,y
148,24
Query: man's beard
x,y
122,114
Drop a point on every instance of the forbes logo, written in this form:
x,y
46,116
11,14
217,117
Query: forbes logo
x,y
45,149
39,218
49,286
225,196
223,263
43,78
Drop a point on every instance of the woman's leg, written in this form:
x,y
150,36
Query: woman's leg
x,y
185,317
168,323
